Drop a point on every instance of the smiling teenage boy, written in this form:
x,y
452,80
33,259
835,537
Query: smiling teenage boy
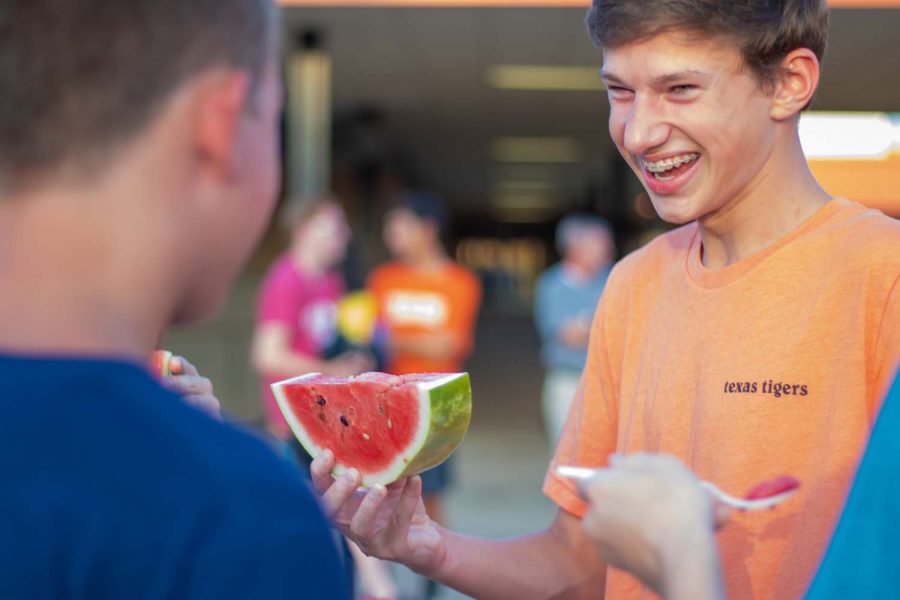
x,y
770,285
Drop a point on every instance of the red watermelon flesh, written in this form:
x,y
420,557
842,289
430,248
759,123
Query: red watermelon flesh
x,y
386,426
160,363
772,487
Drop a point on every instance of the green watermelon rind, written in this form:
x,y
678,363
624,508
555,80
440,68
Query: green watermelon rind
x,y
446,401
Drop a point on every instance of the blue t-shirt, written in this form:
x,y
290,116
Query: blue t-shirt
x,y
112,487
558,299
863,560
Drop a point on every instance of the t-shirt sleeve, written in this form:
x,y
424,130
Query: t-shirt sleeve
x,y
887,345
590,432
279,298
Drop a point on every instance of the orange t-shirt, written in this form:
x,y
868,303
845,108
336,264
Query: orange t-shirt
x,y
772,366
410,301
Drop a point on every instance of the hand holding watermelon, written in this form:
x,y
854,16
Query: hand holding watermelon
x,y
388,522
181,377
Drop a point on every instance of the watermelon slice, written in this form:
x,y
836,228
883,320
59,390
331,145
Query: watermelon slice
x,y
385,426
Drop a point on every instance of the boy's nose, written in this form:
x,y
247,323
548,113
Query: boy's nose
x,y
644,129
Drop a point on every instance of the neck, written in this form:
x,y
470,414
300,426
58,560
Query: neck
x,y
307,261
430,259
575,270
76,281
783,195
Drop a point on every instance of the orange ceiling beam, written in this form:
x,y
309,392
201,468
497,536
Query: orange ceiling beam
x,y
875,183
529,3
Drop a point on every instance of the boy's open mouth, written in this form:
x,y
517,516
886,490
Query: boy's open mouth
x,y
670,168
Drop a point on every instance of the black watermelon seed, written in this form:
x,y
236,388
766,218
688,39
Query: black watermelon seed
x,y
345,421
320,400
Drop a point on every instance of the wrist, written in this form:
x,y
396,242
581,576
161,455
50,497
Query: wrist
x,y
690,566
439,563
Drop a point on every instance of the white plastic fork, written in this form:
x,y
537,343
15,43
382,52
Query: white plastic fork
x,y
732,501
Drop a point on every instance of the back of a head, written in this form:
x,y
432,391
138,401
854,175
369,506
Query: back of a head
x,y
79,78
765,31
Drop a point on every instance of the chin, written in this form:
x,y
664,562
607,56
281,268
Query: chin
x,y
676,217
674,212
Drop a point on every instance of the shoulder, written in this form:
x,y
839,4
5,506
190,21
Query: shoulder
x,y
460,274
875,229
384,274
281,274
550,275
862,238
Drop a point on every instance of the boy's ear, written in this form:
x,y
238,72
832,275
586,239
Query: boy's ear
x,y
796,83
220,104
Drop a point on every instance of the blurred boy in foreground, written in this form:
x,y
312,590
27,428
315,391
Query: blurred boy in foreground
x,y
138,167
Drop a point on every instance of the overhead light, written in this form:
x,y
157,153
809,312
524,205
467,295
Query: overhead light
x,y
523,201
849,135
535,150
525,185
544,77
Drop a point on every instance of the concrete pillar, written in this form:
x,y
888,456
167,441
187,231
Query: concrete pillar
x,y
309,117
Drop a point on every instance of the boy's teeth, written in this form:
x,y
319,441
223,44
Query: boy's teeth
x,y
670,163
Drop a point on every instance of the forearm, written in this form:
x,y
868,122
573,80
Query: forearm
x,y
535,567
434,346
288,364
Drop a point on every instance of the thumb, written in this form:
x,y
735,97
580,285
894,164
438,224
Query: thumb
x,y
721,514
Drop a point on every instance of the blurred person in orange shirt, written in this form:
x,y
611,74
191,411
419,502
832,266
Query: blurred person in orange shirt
x,y
427,303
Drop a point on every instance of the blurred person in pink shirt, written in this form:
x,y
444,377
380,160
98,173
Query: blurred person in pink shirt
x,y
296,319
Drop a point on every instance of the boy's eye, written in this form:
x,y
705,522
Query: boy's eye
x,y
682,89
617,91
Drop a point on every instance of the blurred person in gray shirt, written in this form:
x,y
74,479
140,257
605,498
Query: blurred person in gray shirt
x,y
566,297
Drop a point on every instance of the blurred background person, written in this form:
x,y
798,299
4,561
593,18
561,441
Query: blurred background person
x,y
296,319
297,332
428,305
565,299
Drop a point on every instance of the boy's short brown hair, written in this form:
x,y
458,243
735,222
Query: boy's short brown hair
x,y
78,77
765,31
